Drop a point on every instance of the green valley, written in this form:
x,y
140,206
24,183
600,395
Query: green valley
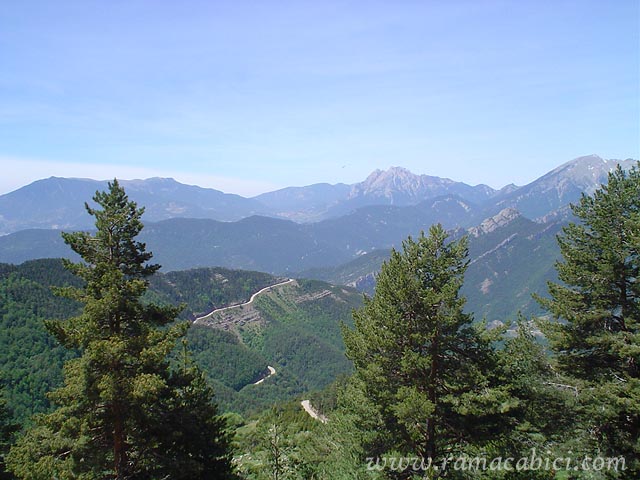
x,y
295,328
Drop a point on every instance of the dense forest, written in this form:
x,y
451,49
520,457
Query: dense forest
x,y
303,338
425,390
31,361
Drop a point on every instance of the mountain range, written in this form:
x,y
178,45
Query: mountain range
x,y
57,203
512,231
338,234
510,258
263,243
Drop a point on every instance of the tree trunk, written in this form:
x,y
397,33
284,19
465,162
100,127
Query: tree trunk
x,y
120,459
431,391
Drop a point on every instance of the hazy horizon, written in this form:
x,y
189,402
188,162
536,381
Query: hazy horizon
x,y
252,97
195,182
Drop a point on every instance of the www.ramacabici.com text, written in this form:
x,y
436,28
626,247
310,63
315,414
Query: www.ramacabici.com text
x,y
532,462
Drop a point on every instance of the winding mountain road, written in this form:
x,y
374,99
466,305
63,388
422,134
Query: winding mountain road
x,y
306,404
240,305
272,371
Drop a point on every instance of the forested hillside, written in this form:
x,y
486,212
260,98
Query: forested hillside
x,y
435,396
31,360
297,331
510,259
294,328
319,382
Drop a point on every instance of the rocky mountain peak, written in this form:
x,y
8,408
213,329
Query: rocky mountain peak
x,y
397,182
394,176
585,168
562,185
507,189
587,172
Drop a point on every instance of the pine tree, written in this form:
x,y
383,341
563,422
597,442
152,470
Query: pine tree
x,y
542,414
423,367
597,340
122,413
8,428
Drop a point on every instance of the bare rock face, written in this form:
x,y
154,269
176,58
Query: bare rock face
x,y
399,186
365,283
503,218
233,318
399,182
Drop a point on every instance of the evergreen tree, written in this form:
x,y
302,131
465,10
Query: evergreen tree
x,y
421,364
122,412
8,428
597,340
542,412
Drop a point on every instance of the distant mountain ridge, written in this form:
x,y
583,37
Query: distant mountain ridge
x,y
510,258
281,246
561,186
304,204
262,243
58,202
401,187
396,186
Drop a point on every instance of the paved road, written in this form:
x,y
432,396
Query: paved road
x,y
306,404
253,297
272,371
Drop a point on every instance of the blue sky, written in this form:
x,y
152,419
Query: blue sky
x,y
249,96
